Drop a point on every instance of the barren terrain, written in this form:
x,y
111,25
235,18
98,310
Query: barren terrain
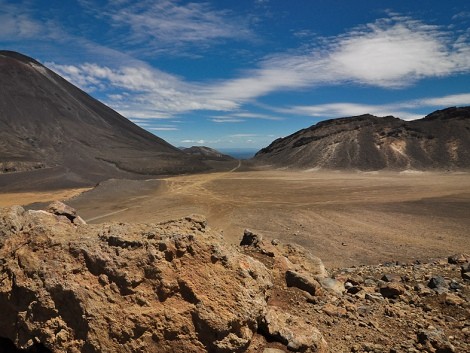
x,y
344,218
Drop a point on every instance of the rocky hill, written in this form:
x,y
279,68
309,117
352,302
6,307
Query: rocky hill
x,y
50,126
206,153
66,286
441,140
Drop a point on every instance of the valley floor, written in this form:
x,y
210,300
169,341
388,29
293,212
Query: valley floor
x,y
344,218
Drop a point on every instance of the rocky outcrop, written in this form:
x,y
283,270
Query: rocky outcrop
x,y
67,286
173,287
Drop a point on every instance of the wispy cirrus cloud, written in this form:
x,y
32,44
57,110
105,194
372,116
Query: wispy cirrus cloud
x,y
226,119
163,128
238,117
170,25
244,135
18,22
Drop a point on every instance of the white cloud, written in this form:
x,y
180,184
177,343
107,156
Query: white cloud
x,y
451,100
168,25
243,135
199,142
461,15
163,128
226,120
17,22
256,116
390,53
397,109
144,92
395,52
336,110
238,117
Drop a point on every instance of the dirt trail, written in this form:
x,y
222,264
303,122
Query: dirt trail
x,y
194,184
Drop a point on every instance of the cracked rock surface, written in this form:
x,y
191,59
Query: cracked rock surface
x,y
172,287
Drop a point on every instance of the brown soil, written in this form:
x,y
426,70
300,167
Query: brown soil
x,y
24,198
344,218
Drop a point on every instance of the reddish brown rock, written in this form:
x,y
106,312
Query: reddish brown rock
x,y
392,290
174,287
294,332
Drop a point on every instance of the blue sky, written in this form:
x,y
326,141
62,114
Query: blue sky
x,y
238,74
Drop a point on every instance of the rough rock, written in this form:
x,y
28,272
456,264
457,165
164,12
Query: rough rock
x,y
302,259
172,287
302,281
178,287
437,282
465,271
60,209
392,290
332,285
435,340
293,331
458,259
390,277
250,238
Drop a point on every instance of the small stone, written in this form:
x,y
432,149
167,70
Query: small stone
x,y
458,259
78,221
369,282
355,280
455,286
354,290
332,285
290,330
61,209
452,299
374,296
332,310
465,271
392,290
250,238
302,281
391,278
437,282
435,340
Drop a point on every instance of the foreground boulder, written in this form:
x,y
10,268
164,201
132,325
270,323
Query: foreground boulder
x,y
293,331
173,287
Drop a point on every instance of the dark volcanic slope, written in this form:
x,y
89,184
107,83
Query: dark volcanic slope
x,y
46,122
208,153
441,140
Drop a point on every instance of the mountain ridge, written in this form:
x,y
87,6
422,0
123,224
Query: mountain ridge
x,y
205,152
441,140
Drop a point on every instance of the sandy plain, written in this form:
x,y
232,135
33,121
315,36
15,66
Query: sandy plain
x,y
345,218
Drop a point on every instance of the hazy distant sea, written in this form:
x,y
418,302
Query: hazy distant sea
x,y
239,153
